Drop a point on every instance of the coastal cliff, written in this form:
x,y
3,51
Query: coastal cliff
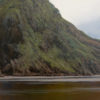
x,y
36,40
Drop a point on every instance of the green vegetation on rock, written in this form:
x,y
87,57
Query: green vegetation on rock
x,y
36,40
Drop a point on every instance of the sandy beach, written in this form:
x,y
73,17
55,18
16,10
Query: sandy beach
x,y
52,78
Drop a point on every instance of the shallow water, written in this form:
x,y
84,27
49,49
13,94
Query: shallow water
x,y
49,91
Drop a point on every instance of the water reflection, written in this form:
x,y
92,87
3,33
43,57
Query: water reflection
x,y
49,91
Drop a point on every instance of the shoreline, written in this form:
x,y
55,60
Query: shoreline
x,y
50,79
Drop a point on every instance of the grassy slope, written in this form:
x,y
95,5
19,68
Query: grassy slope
x,y
40,41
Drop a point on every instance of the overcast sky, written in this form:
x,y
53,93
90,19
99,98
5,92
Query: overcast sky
x,y
78,11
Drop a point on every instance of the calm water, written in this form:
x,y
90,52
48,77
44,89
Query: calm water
x,y
49,91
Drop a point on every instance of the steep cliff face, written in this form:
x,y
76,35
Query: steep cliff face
x,y
36,40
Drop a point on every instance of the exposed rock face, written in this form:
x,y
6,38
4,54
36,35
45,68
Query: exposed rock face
x,y
36,40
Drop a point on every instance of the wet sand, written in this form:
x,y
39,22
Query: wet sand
x,y
50,88
52,78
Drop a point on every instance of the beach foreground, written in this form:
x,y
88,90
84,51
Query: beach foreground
x,y
50,88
